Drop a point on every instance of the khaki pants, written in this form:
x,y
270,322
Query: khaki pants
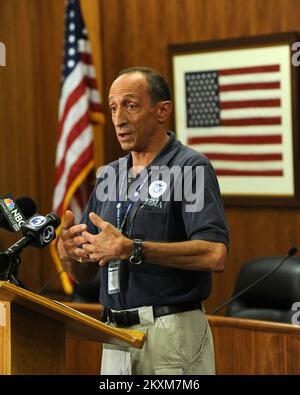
x,y
176,344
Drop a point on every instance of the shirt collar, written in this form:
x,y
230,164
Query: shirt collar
x,y
165,155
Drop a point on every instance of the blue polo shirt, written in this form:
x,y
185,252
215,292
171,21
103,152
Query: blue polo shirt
x,y
161,214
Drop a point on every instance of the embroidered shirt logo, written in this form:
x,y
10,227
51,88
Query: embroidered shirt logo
x,y
157,188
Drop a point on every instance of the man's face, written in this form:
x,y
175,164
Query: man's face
x,y
133,115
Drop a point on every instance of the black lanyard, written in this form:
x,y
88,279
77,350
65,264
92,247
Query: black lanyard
x,y
121,222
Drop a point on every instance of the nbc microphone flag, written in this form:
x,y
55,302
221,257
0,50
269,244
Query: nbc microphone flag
x,y
79,106
237,112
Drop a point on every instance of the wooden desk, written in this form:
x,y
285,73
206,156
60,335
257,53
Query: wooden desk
x,y
255,347
241,346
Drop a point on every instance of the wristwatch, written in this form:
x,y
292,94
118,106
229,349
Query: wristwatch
x,y
136,255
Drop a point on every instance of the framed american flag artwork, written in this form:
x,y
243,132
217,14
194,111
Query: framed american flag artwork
x,y
236,101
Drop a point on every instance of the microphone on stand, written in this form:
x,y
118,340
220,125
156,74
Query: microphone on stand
x,y
38,231
290,253
14,213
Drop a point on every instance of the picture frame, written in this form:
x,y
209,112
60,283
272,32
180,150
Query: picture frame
x,y
236,101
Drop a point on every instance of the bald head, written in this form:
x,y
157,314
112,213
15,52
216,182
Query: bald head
x,y
157,86
132,85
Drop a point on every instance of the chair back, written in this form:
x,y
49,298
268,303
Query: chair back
x,y
272,299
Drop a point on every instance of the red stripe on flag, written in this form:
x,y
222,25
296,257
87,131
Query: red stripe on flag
x,y
269,173
271,139
251,70
72,99
249,86
91,82
86,58
96,107
77,129
250,103
82,160
76,95
251,121
243,157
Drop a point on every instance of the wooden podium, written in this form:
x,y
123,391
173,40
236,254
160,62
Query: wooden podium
x,y
34,329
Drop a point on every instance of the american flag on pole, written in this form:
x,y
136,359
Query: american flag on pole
x,y
79,106
238,114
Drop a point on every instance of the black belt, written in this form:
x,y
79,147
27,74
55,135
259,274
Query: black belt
x,y
127,318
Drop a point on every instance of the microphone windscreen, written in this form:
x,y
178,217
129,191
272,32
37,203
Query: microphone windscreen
x,y
27,206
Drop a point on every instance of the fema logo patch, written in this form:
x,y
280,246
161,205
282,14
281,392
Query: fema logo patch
x,y
157,188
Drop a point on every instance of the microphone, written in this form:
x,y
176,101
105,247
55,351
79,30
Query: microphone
x,y
38,231
13,213
290,253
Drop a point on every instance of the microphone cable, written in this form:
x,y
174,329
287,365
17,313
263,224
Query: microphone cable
x,y
49,282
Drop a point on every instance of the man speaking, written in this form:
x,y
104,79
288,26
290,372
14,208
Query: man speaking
x,y
155,224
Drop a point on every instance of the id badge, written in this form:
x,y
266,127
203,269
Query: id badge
x,y
113,277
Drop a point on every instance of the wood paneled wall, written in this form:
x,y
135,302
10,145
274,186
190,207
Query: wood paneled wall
x,y
32,31
29,88
132,32
137,33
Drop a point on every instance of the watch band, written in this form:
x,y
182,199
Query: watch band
x,y
136,255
